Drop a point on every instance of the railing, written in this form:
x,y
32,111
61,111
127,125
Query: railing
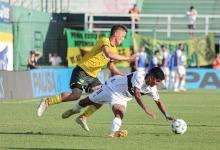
x,y
163,23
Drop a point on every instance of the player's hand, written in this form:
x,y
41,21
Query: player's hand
x,y
170,118
133,57
152,114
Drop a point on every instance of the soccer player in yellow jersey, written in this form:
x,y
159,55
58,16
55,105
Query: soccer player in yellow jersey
x,y
85,73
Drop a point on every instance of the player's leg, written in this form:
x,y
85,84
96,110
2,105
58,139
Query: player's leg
x,y
118,111
167,78
81,120
77,108
182,79
96,84
165,83
177,80
96,99
63,97
78,80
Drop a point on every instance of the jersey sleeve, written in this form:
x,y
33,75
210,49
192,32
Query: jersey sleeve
x,y
138,80
154,94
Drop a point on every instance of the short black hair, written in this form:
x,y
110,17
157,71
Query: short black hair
x,y
162,46
191,7
156,51
157,73
32,52
117,27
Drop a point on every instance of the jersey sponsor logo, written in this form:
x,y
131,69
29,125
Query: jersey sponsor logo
x,y
99,91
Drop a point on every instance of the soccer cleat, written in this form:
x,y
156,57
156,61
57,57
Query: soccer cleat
x,y
42,107
121,133
69,113
82,122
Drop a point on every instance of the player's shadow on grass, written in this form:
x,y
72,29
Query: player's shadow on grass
x,y
49,134
44,148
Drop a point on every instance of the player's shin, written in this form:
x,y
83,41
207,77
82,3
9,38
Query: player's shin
x,y
76,109
54,100
89,111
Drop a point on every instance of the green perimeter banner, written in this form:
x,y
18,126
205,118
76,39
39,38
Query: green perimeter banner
x,y
199,51
81,42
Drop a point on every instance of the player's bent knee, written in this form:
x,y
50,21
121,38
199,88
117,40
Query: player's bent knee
x,y
75,96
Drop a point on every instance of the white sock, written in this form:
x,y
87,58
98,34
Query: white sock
x,y
176,84
77,107
116,124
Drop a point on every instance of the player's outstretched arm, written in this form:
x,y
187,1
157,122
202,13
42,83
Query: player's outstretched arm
x,y
114,69
137,95
163,109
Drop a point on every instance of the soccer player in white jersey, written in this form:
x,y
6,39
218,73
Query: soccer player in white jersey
x,y
165,65
118,90
180,69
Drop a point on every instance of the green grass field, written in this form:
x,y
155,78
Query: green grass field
x,y
21,129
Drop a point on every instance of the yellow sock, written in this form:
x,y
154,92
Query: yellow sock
x,y
53,100
89,111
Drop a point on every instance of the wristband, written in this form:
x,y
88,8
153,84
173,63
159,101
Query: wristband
x,y
167,115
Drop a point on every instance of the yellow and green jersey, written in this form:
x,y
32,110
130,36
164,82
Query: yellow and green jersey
x,y
93,61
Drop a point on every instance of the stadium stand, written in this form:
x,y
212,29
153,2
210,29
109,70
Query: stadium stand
x,y
178,7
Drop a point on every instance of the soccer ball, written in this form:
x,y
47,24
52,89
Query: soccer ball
x,y
179,126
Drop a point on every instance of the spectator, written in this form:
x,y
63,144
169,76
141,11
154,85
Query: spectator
x,y
216,62
192,14
54,59
33,60
134,14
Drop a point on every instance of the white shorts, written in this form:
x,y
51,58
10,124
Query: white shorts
x,y
139,69
166,71
107,95
181,70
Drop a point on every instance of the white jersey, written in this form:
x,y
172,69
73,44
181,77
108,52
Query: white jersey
x,y
116,89
192,16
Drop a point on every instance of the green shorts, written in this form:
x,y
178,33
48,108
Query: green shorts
x,y
80,79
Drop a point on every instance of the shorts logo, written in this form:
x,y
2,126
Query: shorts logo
x,y
81,81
